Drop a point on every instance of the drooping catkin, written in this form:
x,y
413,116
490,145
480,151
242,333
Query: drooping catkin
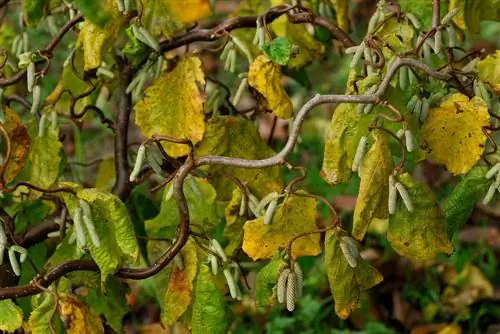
x,y
489,195
357,55
409,141
139,161
78,226
281,285
393,195
447,18
405,196
23,252
360,153
30,76
13,262
492,171
291,291
233,288
268,216
37,95
350,253
300,278
218,249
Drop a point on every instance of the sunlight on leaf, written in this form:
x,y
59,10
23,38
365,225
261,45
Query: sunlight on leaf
x,y
179,292
173,106
294,216
347,283
81,318
239,138
489,71
210,312
20,143
374,188
422,234
265,77
453,132
11,316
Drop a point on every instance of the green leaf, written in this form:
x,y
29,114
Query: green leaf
x,y
421,9
296,215
113,226
419,235
33,11
43,306
178,295
476,12
236,137
173,106
347,283
464,197
11,316
278,50
210,312
113,304
374,187
265,283
200,197
96,12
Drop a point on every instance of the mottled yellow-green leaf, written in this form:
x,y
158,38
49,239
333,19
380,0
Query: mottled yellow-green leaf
x,y
233,231
179,292
397,34
309,48
113,226
346,283
42,306
44,158
374,188
422,234
489,71
200,196
166,17
296,215
173,106
33,11
11,316
476,12
265,77
341,13
210,314
81,318
458,19
106,174
239,138
96,40
453,132
265,283
20,143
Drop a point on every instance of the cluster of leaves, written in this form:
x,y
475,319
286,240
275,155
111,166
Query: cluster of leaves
x,y
231,196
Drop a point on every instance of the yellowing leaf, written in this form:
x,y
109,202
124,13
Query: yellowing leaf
x,y
422,234
265,77
106,174
189,11
347,283
374,188
341,13
453,132
265,283
96,40
19,139
233,231
11,316
294,216
210,311
341,142
42,306
459,19
309,48
398,34
81,318
489,71
118,244
237,137
179,292
173,106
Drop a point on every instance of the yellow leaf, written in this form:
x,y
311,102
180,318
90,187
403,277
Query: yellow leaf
x,y
20,143
374,188
179,292
239,138
397,34
96,40
309,48
341,13
451,329
347,283
453,132
294,216
106,174
188,11
265,77
11,316
173,106
80,317
458,19
233,231
489,71
422,234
